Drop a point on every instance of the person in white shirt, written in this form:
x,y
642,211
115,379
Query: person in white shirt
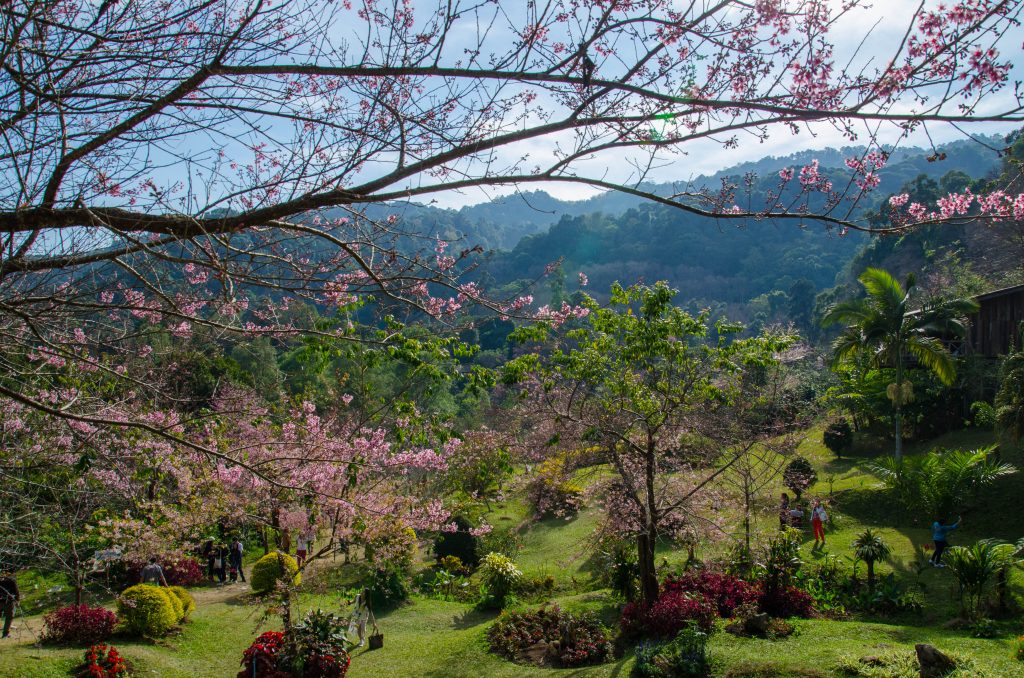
x,y
818,520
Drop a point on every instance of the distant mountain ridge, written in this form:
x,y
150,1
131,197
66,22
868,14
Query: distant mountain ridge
x,y
501,223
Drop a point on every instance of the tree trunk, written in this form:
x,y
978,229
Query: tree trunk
x,y
648,575
871,574
645,542
899,405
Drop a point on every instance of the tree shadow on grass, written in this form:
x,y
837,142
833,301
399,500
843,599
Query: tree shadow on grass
x,y
472,618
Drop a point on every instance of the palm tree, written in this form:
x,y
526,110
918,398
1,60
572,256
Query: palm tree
x,y
940,484
883,326
869,547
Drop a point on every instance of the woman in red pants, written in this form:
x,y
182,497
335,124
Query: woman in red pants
x,y
818,518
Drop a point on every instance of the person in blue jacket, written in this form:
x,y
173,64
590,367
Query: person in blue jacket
x,y
939,532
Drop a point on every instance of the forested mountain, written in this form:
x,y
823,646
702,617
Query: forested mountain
x,y
755,271
501,223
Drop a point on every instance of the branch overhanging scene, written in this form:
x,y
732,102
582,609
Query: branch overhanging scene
x,y
534,337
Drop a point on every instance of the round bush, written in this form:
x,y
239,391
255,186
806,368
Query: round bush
x,y
179,607
838,437
79,625
147,610
268,571
188,603
460,544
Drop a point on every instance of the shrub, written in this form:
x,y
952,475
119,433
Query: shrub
x,y
316,647
500,576
103,661
1018,649
387,586
668,615
725,591
272,568
799,475
618,568
146,610
176,604
974,567
188,603
452,565
551,492
838,437
459,544
780,560
788,601
685,656
390,554
78,625
183,571
572,639
259,660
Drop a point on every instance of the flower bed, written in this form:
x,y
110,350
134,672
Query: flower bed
x,y
549,635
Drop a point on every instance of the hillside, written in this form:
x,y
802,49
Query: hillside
x,y
444,638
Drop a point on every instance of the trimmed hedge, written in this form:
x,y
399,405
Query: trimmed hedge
x,y
188,603
147,610
268,571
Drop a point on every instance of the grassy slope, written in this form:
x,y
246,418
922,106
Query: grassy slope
x,y
437,638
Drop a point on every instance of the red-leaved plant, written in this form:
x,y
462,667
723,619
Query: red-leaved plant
x,y
78,625
260,659
726,591
668,615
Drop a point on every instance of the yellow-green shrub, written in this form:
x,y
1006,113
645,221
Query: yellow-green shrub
x,y
147,610
188,603
268,571
175,601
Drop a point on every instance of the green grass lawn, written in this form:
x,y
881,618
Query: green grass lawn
x,y
430,637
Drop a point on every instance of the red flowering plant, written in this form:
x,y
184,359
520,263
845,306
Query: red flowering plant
x,y
103,661
316,647
78,625
260,659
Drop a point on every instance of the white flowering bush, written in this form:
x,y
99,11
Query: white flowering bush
x,y
499,577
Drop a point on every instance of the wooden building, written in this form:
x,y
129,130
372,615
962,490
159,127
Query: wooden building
x,y
995,328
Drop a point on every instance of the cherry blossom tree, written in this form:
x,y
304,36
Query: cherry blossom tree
x,y
672,408
195,168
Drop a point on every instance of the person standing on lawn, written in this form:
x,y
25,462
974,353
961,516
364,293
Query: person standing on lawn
x,y
9,597
939,532
236,556
153,574
818,520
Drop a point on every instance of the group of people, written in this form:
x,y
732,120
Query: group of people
x,y
223,561
794,515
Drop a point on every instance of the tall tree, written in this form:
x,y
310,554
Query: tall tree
x,y
671,405
883,326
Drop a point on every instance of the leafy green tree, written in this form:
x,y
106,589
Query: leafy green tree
x,y
642,379
940,483
883,326
1010,398
871,548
